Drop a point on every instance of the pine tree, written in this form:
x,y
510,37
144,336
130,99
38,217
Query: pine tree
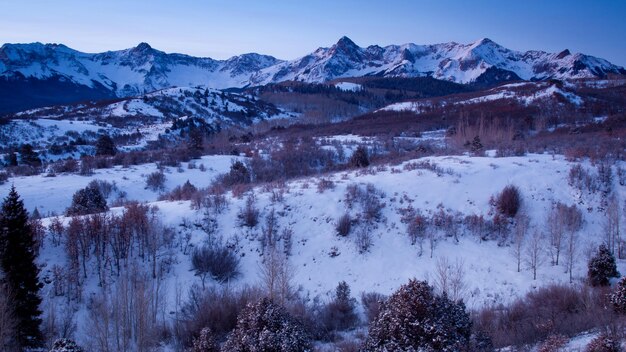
x,y
618,297
341,312
602,267
265,326
415,319
88,200
29,156
105,146
205,342
17,258
476,145
66,345
360,157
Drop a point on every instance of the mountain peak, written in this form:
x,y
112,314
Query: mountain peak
x,y
484,41
563,54
143,46
345,42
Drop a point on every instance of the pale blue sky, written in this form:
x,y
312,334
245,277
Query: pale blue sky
x,y
289,29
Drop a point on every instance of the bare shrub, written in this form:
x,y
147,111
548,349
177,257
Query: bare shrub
x,y
215,308
554,343
156,181
509,201
363,239
324,184
550,310
67,166
604,343
217,261
344,225
371,203
249,215
372,302
105,187
185,192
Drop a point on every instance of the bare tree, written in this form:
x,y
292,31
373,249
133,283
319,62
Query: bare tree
x,y
522,222
612,226
450,278
556,233
571,252
126,317
433,236
269,232
276,274
534,254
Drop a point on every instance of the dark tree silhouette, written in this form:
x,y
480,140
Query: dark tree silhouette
x,y
17,257
28,156
415,319
265,326
360,158
88,200
602,267
105,146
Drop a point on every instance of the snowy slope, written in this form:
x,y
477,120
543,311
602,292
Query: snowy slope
x,y
526,94
150,114
462,63
143,69
464,187
128,72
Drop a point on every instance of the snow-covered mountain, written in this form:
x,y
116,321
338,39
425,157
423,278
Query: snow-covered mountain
x,y
480,62
38,74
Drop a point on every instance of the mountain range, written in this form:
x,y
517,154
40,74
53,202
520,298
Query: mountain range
x,y
34,75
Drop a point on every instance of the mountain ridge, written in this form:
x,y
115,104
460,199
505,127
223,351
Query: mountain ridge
x,y
142,69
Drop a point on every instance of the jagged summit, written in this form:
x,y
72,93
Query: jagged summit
x,y
143,69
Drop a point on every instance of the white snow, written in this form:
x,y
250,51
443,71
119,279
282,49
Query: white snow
x,y
465,186
349,86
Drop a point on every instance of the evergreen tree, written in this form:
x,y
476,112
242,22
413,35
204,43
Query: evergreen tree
x,y
88,200
415,319
360,157
618,297
66,345
341,312
10,159
105,146
265,326
205,342
476,145
17,258
29,156
602,267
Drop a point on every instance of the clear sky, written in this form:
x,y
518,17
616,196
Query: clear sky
x,y
289,29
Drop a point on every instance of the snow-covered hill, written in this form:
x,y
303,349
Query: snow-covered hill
x,y
523,93
150,115
461,186
59,74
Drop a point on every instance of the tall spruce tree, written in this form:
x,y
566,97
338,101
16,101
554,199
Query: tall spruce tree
x,y
17,258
